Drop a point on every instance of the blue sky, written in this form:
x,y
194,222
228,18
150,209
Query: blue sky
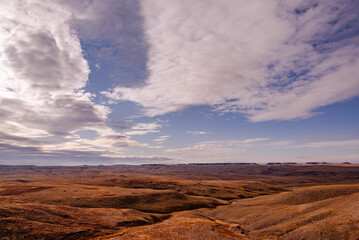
x,y
119,81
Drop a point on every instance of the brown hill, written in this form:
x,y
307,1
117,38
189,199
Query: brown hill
x,y
322,212
229,201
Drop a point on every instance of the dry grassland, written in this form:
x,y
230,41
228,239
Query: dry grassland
x,y
180,202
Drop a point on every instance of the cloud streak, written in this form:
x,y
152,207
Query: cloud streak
x,y
162,138
218,151
354,143
197,132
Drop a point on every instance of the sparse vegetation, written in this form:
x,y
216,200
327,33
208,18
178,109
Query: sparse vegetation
x,y
180,202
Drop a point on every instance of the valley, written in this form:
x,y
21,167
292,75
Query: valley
x,y
232,201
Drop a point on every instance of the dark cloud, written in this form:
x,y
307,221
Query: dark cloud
x,y
8,149
120,125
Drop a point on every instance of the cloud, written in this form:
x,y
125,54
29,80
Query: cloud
x,y
112,35
42,100
43,71
208,152
281,143
354,143
144,128
254,140
197,132
269,59
262,150
11,154
193,149
234,143
353,158
217,151
161,139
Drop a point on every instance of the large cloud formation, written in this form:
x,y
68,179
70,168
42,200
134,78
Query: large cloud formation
x,y
42,102
267,59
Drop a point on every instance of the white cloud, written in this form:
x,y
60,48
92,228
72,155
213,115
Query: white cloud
x,y
161,139
353,158
42,71
42,76
354,143
234,143
254,140
196,148
269,59
197,132
258,58
144,128
213,151
226,150
281,143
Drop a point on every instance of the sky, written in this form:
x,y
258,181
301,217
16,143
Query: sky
x,y
181,81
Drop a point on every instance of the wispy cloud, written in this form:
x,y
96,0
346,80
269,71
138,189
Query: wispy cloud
x,y
144,128
353,158
197,132
282,143
161,139
212,151
201,147
254,140
269,60
226,150
354,143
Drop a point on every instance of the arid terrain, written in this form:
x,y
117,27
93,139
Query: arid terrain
x,y
194,201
